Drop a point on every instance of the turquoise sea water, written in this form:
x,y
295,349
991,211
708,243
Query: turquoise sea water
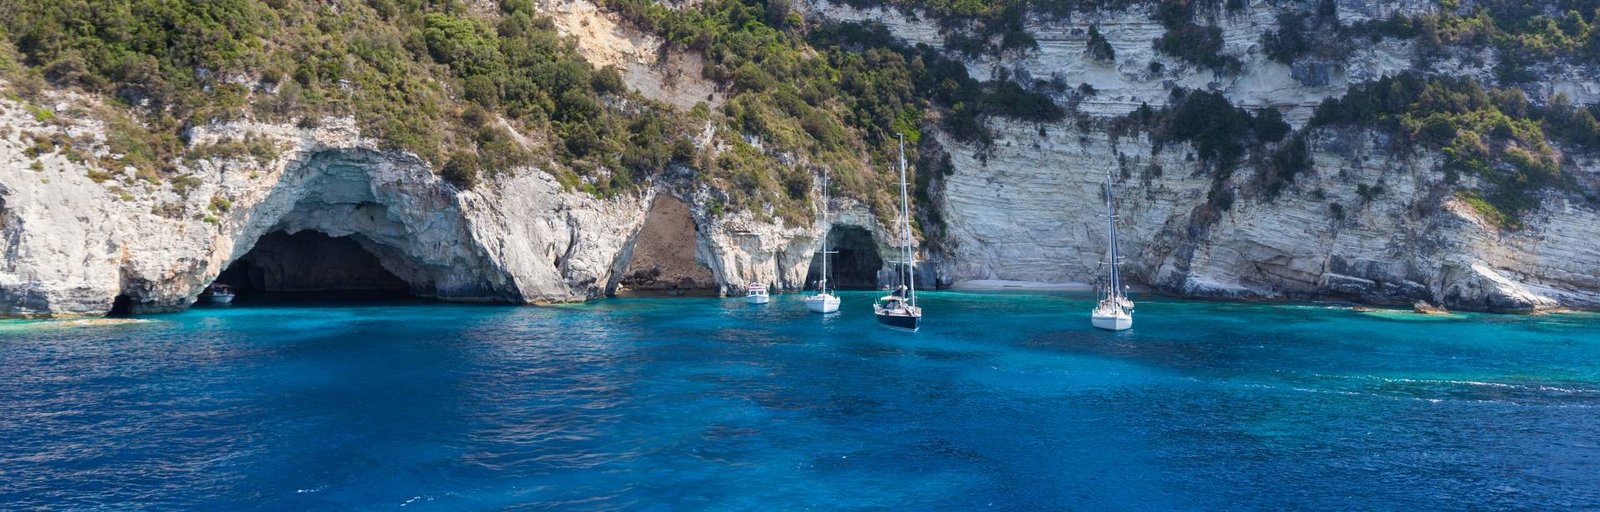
x,y
1002,402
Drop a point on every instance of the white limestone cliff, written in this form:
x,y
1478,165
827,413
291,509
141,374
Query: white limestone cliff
x,y
1034,212
73,245
1030,210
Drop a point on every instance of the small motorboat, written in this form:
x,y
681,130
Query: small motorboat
x,y
219,294
756,293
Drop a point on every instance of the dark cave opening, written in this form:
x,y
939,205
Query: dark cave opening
x,y
310,261
122,305
856,263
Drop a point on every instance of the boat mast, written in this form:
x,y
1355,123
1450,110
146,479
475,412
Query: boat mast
x,y
905,211
1111,239
822,287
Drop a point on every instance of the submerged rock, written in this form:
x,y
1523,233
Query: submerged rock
x,y
1425,308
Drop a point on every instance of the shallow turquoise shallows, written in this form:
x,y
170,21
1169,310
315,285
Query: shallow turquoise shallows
x,y
1003,401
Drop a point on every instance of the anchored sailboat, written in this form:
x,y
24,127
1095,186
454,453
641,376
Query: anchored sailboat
x,y
899,310
824,301
1114,311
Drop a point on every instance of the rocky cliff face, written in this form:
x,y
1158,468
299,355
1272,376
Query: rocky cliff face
x,y
1027,209
1034,212
1031,208
75,241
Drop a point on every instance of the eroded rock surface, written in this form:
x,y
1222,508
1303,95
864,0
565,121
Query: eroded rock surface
x,y
76,241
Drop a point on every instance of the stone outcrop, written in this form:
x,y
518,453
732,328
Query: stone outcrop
x,y
647,64
75,240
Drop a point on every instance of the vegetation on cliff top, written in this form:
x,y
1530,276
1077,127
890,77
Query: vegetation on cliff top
x,y
483,92
477,90
1522,34
398,68
1493,134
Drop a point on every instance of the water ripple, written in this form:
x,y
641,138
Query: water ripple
x,y
707,404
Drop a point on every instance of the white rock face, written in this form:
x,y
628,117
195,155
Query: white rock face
x,y
741,250
648,65
73,245
1033,209
1128,81
1035,212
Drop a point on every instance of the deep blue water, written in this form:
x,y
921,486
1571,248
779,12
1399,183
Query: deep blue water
x,y
1004,401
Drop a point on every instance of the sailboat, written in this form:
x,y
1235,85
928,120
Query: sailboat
x,y
1114,311
899,310
824,301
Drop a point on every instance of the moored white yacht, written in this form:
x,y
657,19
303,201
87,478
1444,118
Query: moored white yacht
x,y
1114,311
824,301
756,293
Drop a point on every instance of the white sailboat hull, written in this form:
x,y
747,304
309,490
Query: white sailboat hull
x,y
757,299
822,303
1111,322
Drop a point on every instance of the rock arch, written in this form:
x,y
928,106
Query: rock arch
x,y
362,220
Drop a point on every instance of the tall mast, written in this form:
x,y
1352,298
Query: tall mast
x,y
1111,239
822,287
905,211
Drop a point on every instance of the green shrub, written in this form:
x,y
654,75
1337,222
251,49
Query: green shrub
x,y
40,113
1490,133
1281,167
1523,34
1098,48
1290,41
1190,42
1218,130
182,185
461,170
1488,211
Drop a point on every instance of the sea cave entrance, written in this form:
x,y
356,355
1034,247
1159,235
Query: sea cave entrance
x,y
663,260
283,263
856,264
